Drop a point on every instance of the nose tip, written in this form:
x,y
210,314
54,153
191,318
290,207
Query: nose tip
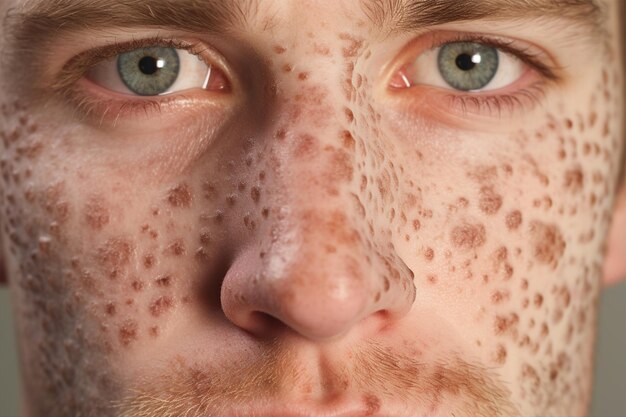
x,y
318,298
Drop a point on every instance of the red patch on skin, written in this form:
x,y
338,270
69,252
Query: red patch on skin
x,y
429,254
469,236
372,404
180,196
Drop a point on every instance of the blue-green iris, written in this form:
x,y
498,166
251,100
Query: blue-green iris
x,y
467,66
149,71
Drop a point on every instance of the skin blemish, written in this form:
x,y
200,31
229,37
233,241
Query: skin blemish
x,y
548,243
468,236
303,76
127,332
499,356
506,324
137,285
180,196
161,305
574,180
176,248
490,201
513,220
164,281
429,254
255,194
115,253
110,309
148,261
96,213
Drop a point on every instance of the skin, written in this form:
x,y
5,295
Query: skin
x,y
320,241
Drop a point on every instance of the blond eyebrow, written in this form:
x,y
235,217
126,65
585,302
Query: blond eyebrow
x,y
408,15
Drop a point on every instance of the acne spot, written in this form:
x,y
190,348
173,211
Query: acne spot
x,y
96,213
348,141
372,404
161,305
303,76
180,196
429,254
127,333
490,201
513,220
548,243
154,331
468,236
499,296
538,300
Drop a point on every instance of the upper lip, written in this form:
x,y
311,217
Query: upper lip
x,y
345,409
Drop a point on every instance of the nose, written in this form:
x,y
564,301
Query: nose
x,y
319,278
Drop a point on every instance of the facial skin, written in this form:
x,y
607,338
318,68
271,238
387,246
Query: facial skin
x,y
316,238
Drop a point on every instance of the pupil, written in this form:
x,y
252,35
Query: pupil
x,y
148,65
464,62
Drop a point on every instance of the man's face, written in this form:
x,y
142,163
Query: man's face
x,y
308,207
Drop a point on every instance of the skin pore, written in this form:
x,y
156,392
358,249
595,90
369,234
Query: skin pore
x,y
319,230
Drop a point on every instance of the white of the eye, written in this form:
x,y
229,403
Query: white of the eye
x,y
425,71
193,73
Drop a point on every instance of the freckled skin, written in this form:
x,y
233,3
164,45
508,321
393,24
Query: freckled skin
x,y
319,239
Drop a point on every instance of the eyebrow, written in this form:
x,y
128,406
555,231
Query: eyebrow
x,y
408,15
42,20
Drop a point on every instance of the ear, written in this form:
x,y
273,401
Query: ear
x,y
615,262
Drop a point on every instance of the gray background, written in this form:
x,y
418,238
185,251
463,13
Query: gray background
x,y
610,383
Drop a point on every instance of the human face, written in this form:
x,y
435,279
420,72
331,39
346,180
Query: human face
x,y
325,223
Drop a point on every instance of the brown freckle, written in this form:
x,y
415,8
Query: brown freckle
x,y
279,49
164,281
96,214
176,248
180,196
429,254
500,355
116,252
574,180
347,140
255,194
513,220
468,236
280,134
416,225
504,324
432,279
128,332
548,243
110,309
154,331
544,330
148,261
538,300
490,201
160,305
349,115
137,285
499,296
287,68
265,212
303,76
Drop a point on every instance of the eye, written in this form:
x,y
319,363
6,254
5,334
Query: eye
x,y
462,66
154,71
